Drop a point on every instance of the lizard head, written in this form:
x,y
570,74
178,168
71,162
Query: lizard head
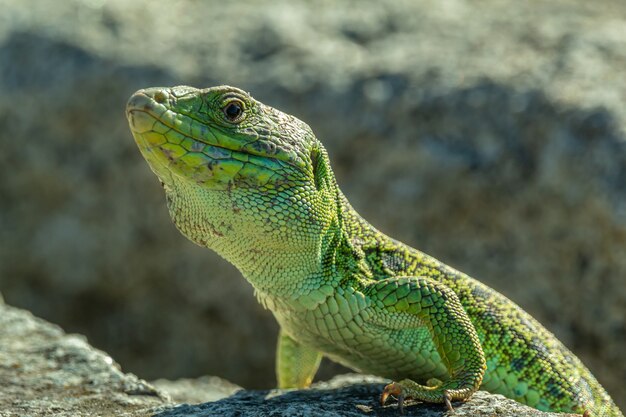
x,y
219,137
225,155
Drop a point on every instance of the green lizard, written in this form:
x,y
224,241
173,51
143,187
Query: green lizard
x,y
255,185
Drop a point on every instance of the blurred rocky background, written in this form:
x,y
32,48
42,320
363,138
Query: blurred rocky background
x,y
490,135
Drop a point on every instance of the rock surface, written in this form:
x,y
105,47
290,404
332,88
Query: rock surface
x,y
491,137
45,372
196,390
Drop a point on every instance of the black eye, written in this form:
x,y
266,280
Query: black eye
x,y
233,110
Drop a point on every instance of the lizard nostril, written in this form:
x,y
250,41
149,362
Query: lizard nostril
x,y
160,97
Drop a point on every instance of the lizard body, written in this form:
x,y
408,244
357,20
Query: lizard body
x,y
255,185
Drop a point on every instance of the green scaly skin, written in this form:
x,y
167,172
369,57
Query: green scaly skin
x,y
256,186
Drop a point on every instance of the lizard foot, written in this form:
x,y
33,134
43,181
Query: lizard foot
x,y
440,393
395,390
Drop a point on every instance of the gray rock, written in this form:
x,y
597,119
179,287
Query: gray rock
x,y
197,390
490,136
44,371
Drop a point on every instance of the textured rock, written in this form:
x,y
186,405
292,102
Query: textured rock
x,y
491,137
46,372
197,390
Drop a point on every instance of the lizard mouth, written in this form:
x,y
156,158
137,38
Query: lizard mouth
x,y
146,113
184,145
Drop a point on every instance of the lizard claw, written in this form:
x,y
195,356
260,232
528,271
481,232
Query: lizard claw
x,y
394,389
401,403
448,400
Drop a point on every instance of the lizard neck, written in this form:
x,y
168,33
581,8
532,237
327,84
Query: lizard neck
x,y
284,252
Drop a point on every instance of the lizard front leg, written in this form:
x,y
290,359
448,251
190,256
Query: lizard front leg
x,y
296,364
425,302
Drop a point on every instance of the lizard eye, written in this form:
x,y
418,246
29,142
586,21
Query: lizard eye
x,y
233,110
